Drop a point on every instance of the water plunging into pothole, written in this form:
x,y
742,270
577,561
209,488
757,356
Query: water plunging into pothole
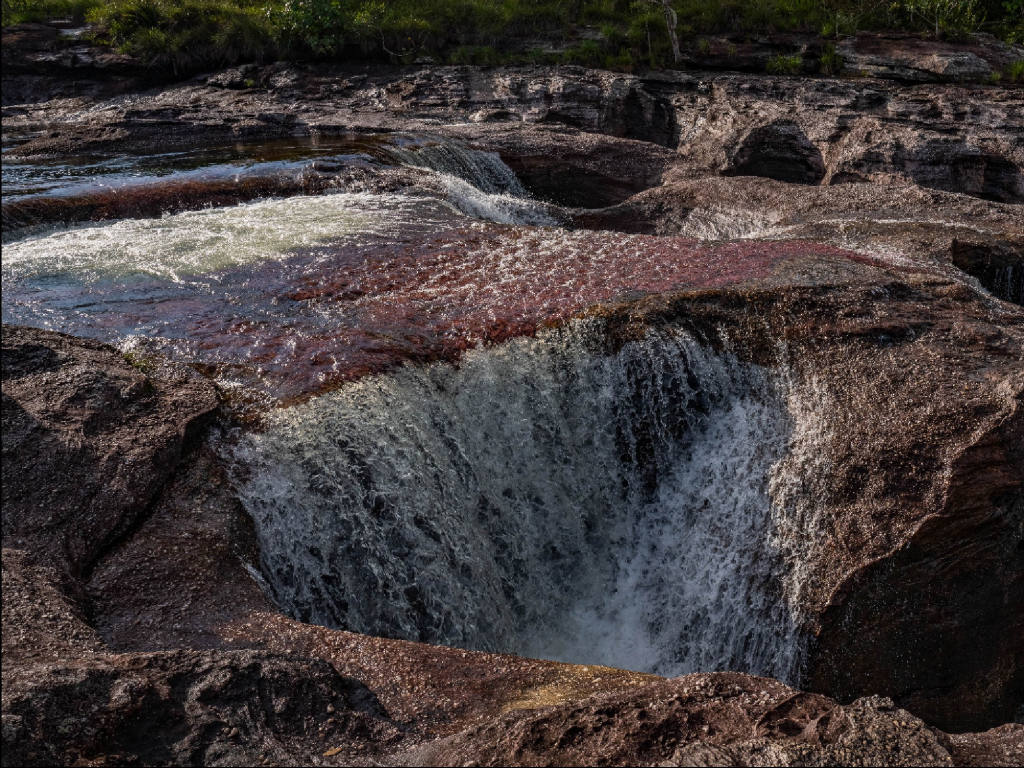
x,y
546,497
549,496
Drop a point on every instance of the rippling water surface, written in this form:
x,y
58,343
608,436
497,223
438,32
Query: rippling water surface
x,y
66,176
553,494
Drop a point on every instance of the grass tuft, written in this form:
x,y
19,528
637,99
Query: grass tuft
x,y
831,61
785,65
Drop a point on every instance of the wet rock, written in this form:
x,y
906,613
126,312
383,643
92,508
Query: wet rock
x,y
985,240
88,441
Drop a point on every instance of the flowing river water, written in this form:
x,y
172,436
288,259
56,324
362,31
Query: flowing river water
x,y
442,454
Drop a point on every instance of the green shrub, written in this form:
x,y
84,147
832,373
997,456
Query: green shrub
x,y
1015,71
951,19
480,55
188,35
831,61
1011,26
785,65
587,54
21,11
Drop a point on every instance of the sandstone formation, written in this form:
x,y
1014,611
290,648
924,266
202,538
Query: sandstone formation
x,y
148,596
859,240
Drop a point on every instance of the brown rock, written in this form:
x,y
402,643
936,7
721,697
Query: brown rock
x,y
906,57
697,720
88,441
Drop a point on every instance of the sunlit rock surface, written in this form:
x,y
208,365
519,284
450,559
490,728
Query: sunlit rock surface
x,y
449,441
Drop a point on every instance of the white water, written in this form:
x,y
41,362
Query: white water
x,y
176,246
545,497
198,242
477,183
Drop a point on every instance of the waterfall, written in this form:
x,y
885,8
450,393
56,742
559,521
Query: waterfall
x,y
546,497
477,183
484,170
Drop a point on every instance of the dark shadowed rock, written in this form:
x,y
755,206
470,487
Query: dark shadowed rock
x,y
780,151
187,708
88,441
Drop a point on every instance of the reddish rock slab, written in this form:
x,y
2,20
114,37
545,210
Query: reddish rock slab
x,y
293,327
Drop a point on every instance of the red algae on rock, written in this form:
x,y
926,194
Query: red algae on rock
x,y
294,326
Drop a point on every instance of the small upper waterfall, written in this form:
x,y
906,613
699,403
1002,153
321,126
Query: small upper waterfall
x,y
545,497
484,170
476,182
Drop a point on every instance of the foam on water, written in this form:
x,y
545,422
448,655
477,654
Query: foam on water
x,y
499,208
545,497
75,175
198,242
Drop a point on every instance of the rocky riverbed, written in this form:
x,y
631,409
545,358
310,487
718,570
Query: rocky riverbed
x,y
540,416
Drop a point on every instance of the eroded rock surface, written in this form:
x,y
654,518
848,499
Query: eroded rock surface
x,y
963,138
858,239
88,441
68,699
698,720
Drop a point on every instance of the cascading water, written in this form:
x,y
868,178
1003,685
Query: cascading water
x,y
545,497
476,182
